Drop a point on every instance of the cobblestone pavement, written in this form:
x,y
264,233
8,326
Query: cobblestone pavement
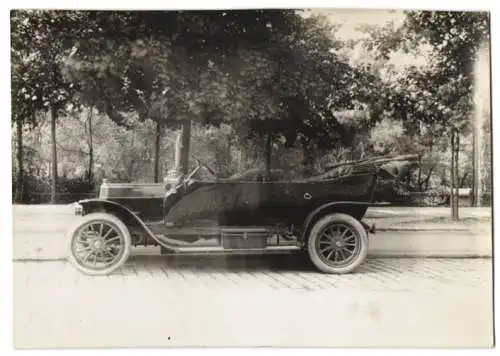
x,y
254,301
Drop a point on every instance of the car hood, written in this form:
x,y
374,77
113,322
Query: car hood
x,y
131,190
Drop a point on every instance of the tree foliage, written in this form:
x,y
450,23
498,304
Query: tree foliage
x,y
431,98
254,66
252,82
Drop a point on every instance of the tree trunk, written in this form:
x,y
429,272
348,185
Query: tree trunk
x,y
268,153
53,117
229,155
19,198
475,167
419,178
452,178
90,173
177,155
157,151
428,178
462,180
455,146
185,138
474,174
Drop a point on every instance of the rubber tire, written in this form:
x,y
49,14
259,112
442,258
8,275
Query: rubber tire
x,y
123,230
361,235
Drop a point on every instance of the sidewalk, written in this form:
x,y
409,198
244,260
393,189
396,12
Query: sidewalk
x,y
40,232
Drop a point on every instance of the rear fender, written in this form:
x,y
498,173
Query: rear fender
x,y
352,208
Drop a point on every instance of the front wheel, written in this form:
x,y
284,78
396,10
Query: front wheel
x,y
99,244
338,243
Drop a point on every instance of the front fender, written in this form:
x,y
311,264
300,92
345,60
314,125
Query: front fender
x,y
128,217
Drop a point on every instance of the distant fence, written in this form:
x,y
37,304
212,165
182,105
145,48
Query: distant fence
x,y
464,199
440,196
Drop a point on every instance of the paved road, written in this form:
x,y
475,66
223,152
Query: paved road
x,y
253,301
258,301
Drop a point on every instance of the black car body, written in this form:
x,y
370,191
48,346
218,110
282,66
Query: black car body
x,y
245,213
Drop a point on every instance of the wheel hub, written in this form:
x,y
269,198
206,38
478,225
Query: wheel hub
x,y
98,244
337,244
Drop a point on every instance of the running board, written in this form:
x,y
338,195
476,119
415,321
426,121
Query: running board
x,y
209,231
221,250
221,239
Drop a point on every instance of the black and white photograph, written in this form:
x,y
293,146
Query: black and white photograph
x,y
251,177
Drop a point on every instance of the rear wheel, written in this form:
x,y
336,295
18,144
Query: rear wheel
x,y
99,244
338,243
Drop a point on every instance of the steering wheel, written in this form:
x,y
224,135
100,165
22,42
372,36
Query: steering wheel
x,y
204,166
208,169
193,172
200,165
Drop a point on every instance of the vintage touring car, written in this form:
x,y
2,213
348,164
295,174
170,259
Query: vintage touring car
x,y
245,213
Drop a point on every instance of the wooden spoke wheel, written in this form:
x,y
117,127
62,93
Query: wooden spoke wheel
x,y
99,244
338,243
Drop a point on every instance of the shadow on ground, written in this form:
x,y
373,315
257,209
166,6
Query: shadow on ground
x,y
294,262
299,262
